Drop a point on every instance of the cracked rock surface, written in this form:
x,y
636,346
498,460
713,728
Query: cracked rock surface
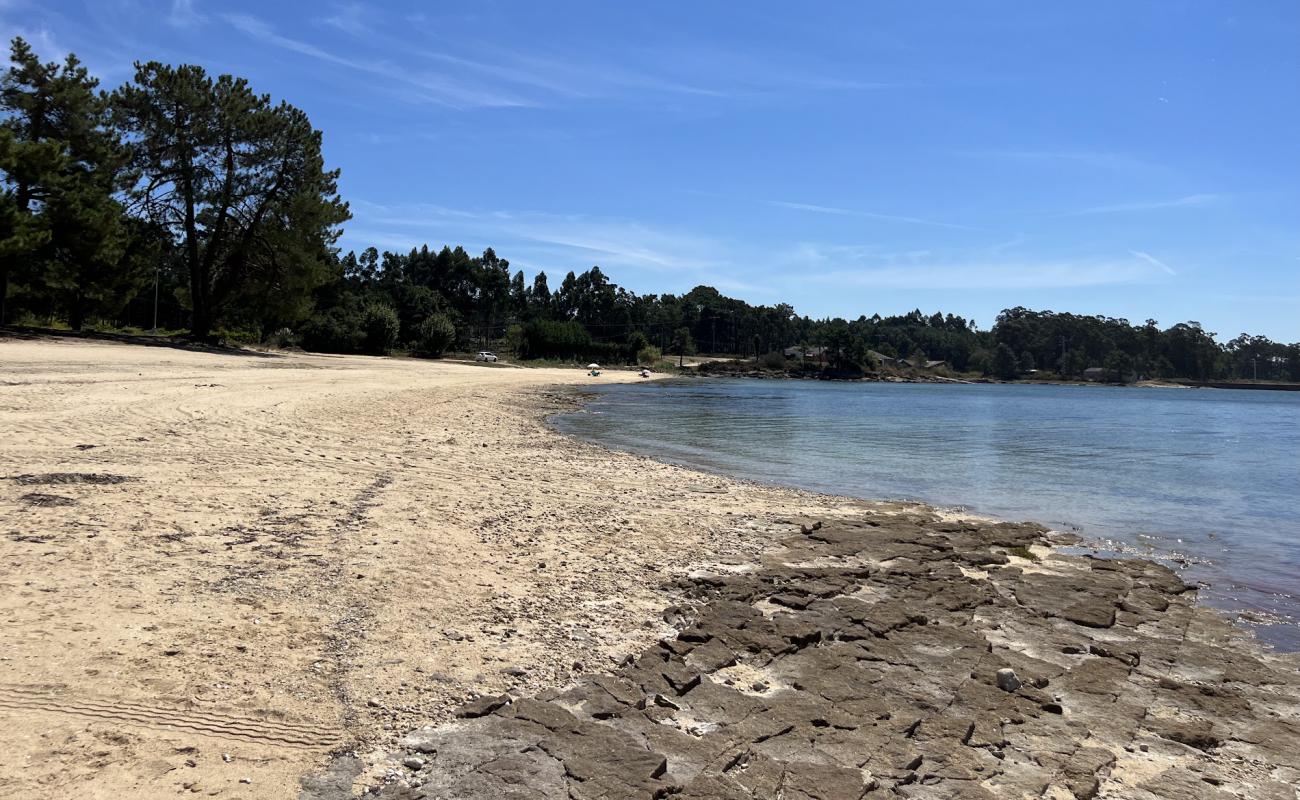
x,y
862,660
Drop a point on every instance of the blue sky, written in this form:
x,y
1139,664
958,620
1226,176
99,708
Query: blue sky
x,y
1135,159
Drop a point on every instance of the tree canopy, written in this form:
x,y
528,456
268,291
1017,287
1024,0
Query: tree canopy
x,y
240,184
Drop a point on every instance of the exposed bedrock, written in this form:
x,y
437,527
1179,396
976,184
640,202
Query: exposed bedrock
x,y
899,657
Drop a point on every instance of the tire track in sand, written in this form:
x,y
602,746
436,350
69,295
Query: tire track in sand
x,y
210,723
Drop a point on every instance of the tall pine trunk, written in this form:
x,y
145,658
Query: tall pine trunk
x,y
200,311
76,311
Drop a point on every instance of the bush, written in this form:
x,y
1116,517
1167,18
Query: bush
x,y
338,330
434,336
649,355
772,360
515,339
380,328
282,339
545,338
235,336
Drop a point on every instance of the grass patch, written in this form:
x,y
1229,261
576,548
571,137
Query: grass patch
x,y
1022,552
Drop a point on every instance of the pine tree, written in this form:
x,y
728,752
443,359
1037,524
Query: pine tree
x,y
241,184
65,234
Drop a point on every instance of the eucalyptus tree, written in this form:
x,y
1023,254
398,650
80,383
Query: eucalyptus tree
x,y
241,185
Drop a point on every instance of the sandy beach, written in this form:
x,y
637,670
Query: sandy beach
x,y
221,568
226,572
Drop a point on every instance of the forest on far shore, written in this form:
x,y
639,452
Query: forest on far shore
x,y
181,201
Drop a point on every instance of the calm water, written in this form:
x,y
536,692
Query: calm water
x,y
1206,479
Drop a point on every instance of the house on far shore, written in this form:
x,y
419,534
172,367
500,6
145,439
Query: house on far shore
x,y
800,352
919,364
1095,374
881,357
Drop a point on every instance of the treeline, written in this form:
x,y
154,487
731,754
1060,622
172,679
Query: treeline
x,y
184,201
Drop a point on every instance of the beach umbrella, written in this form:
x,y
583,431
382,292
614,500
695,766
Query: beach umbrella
x,y
593,366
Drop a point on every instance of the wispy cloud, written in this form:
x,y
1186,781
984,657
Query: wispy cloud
x,y
1010,244
977,276
428,87
555,243
862,267
849,212
351,18
579,77
586,71
1188,201
563,71
1152,260
42,40
577,240
183,14
745,73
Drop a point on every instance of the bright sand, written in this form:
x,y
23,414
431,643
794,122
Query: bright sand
x,y
312,553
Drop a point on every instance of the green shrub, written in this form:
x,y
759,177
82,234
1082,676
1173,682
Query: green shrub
x,y
772,360
282,339
545,338
381,328
434,336
649,355
1022,552
515,339
338,330
238,336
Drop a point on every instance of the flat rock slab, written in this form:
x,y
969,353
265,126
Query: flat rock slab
x,y
862,660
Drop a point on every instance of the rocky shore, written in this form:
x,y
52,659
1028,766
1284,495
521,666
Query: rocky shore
x,y
898,655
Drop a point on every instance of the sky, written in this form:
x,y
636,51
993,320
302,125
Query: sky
x,y
1127,158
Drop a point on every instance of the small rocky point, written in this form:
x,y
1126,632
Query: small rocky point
x,y
894,657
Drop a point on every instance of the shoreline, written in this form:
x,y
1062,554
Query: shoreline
x,y
1173,383
394,537
1249,617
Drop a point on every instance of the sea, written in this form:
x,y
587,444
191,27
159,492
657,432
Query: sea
x,y
1206,481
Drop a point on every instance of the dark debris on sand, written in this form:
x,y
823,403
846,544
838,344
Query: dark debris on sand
x,y
64,478
898,657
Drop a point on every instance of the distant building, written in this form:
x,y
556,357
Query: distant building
x,y
881,357
1095,374
919,364
804,352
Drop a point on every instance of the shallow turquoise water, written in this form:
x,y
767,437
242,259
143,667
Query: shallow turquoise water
x,y
1206,479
